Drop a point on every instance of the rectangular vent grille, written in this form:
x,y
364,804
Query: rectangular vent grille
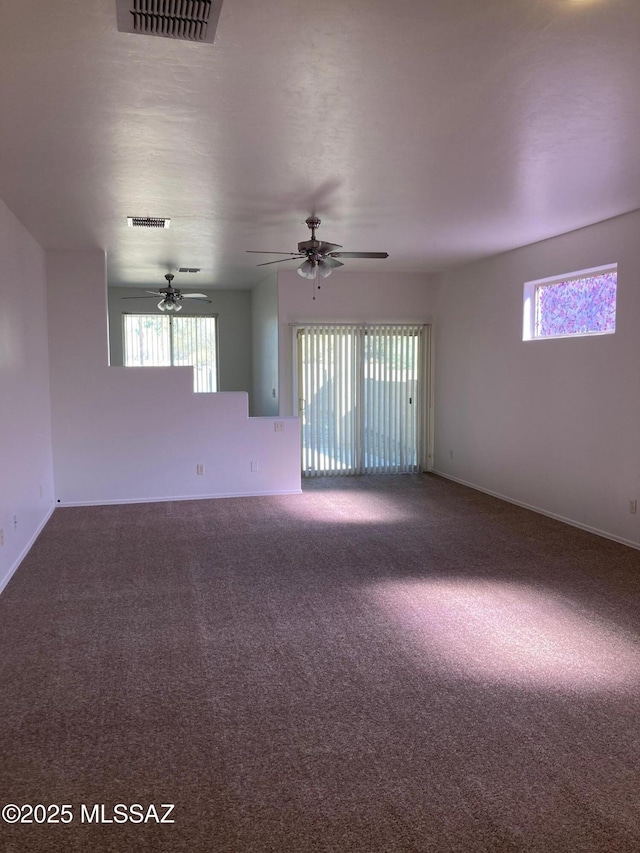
x,y
147,222
190,20
189,269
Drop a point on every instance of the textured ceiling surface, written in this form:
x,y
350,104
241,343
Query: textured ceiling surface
x,y
437,130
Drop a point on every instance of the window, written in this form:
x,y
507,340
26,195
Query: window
x,y
573,305
152,340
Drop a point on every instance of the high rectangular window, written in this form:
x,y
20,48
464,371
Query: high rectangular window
x,y
572,305
152,340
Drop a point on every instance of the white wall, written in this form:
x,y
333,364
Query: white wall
x,y
348,297
265,348
26,469
550,424
125,434
233,308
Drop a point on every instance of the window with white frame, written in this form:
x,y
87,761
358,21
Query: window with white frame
x,y
572,305
153,340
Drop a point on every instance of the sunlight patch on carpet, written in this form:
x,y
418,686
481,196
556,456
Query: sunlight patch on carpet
x,y
509,633
337,506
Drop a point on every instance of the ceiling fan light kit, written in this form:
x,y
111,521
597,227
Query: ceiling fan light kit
x,y
307,269
319,256
169,304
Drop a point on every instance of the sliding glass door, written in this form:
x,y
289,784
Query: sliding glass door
x,y
361,398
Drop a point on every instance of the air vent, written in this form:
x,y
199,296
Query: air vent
x,y
147,222
189,269
189,20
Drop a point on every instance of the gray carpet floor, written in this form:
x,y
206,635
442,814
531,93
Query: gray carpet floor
x,y
379,664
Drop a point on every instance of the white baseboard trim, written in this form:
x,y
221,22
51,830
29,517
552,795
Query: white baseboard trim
x,y
572,522
120,501
12,570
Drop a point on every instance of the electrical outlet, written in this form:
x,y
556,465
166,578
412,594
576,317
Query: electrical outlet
x,y
451,454
633,507
273,392
278,426
1,536
200,469
254,466
15,522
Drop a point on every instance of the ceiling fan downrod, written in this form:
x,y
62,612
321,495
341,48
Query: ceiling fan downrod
x,y
313,222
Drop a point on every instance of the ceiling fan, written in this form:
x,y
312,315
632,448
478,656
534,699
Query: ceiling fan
x,y
318,255
171,297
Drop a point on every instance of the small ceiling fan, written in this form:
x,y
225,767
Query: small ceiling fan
x,y
171,297
319,255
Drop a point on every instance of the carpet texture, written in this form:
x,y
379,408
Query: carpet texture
x,y
379,664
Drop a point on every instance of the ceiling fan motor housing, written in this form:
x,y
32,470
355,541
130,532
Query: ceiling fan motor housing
x,y
307,246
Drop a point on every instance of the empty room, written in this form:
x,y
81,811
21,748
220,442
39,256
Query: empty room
x,y
305,545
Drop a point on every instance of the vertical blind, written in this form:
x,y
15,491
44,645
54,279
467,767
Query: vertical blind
x,y
361,398
152,340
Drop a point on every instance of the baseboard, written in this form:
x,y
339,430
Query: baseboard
x,y
12,570
572,522
120,501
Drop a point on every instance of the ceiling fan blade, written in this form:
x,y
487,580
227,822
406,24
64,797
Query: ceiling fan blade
x,y
325,248
197,298
142,297
156,292
332,262
258,252
194,296
292,258
359,254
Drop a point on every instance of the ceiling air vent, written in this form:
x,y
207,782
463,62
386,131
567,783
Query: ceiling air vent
x,y
147,222
189,269
190,20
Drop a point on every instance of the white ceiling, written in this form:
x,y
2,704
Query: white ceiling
x,y
437,130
